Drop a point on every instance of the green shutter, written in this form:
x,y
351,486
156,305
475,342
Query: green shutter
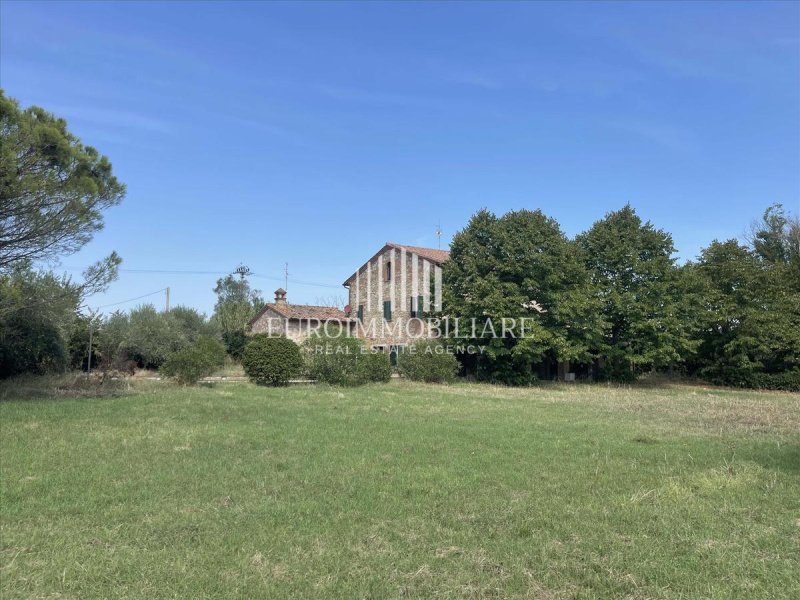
x,y
361,313
420,305
387,310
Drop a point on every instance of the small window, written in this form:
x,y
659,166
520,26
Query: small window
x,y
361,313
411,308
388,270
387,310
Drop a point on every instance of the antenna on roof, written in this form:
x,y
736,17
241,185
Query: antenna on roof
x,y
439,234
286,276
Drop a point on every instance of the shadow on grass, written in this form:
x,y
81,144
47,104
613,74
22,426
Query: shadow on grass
x,y
783,457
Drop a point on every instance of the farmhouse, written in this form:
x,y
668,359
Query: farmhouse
x,y
393,291
389,296
295,321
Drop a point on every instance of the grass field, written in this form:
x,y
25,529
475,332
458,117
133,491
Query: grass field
x,y
401,490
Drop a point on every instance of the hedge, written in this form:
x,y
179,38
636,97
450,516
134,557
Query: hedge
x,y
427,361
787,380
343,360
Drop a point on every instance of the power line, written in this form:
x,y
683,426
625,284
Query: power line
x,y
132,299
174,272
258,275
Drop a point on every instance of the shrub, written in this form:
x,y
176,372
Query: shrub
x,y
235,341
271,360
373,367
333,360
212,348
37,314
342,360
198,360
787,380
429,362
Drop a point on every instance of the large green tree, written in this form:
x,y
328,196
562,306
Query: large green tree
x,y
521,266
642,294
53,188
236,304
750,305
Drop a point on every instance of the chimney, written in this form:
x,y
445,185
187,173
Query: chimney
x,y
280,296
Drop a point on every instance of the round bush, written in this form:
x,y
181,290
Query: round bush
x,y
271,360
428,362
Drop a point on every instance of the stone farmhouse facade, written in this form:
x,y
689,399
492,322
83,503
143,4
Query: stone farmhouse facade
x,y
391,294
389,297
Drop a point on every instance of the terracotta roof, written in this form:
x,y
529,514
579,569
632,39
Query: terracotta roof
x,y
432,254
303,311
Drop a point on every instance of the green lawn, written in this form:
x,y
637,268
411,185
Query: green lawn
x,y
401,490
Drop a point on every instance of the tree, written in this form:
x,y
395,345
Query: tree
x,y
111,337
42,316
521,266
52,193
769,237
37,312
631,263
53,189
152,336
751,304
192,323
236,304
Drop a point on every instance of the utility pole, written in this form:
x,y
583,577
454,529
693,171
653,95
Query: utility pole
x,y
167,290
92,316
89,360
242,271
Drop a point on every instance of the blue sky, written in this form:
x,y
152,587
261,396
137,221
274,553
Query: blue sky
x,y
266,133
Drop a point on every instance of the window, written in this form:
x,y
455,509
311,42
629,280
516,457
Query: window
x,y
387,310
416,311
420,305
411,309
361,313
388,270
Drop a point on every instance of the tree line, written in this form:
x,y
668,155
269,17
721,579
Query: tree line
x,y
614,302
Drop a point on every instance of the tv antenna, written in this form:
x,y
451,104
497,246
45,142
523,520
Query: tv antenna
x,y
285,276
439,235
